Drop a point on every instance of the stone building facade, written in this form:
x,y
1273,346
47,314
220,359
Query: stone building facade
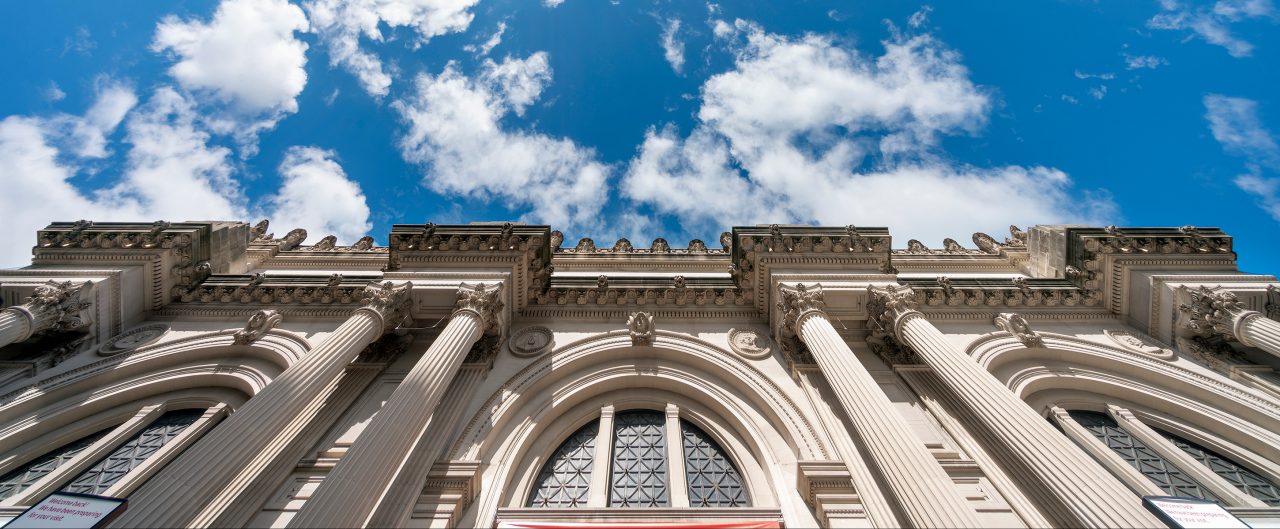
x,y
495,375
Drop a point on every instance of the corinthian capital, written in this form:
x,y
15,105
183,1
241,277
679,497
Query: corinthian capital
x,y
795,302
56,307
482,300
1208,312
887,304
389,301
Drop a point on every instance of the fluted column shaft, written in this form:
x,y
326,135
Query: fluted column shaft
x,y
1088,492
179,492
15,326
353,489
1259,331
924,492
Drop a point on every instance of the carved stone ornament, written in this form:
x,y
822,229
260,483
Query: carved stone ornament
x,y
56,307
1213,351
890,350
986,243
795,302
750,344
885,305
531,341
384,350
557,238
1273,302
259,231
640,327
389,301
1207,312
1016,325
1135,343
257,326
133,339
485,301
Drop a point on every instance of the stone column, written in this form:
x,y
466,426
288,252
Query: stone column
x,y
182,490
925,493
1213,314
353,489
53,306
1087,494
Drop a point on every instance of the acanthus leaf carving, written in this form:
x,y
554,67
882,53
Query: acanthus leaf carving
x,y
390,302
57,306
1207,312
887,304
1272,305
482,300
795,302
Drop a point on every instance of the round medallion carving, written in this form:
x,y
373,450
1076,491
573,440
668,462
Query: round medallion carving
x,y
531,341
749,343
133,339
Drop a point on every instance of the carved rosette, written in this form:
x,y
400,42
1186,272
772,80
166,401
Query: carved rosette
x,y
1206,312
795,303
887,305
1016,325
390,302
257,326
56,307
484,301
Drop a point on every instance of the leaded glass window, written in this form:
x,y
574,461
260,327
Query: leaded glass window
x,y
713,480
101,476
1164,474
1240,477
638,476
565,479
23,477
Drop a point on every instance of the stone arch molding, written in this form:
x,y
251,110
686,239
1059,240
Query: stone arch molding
x,y
734,402
1070,369
186,367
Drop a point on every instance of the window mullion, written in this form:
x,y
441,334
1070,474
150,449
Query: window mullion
x,y
168,452
1202,474
600,467
1104,455
82,461
678,484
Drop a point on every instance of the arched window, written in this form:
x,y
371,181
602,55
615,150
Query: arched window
x,y
101,475
1246,480
1149,462
106,472
644,466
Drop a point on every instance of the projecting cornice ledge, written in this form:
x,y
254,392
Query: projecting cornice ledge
x,y
524,249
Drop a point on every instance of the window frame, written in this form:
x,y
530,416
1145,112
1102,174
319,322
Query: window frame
x,y
121,433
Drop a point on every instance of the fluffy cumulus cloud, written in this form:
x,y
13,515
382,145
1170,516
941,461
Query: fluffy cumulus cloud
x,y
246,55
1235,124
805,130
316,195
168,153
342,23
1213,23
455,132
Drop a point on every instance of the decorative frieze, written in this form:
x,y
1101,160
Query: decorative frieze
x,y
664,291
260,289
659,246
996,293
1088,247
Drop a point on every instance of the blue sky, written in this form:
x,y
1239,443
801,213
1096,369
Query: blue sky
x,y
643,119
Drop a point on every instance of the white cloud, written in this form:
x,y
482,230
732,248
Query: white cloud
x,y
455,133
1104,76
672,47
1213,24
803,130
53,93
341,24
1135,62
246,55
316,195
1235,124
487,46
1098,92
169,156
920,18
552,3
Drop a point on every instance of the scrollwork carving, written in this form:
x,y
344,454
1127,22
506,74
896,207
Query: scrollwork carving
x,y
1016,325
484,301
257,326
56,307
